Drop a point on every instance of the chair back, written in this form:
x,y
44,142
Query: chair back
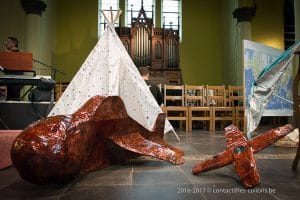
x,y
215,95
173,95
236,96
194,95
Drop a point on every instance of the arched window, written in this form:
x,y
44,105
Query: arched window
x,y
105,6
171,14
134,6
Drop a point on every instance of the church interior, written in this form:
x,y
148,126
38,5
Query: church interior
x,y
226,126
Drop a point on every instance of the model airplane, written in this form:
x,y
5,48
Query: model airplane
x,y
239,152
57,148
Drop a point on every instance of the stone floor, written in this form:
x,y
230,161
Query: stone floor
x,y
147,178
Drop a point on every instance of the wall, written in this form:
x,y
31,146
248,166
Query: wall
x,y
48,31
212,57
15,25
268,23
229,63
76,34
200,48
207,51
12,22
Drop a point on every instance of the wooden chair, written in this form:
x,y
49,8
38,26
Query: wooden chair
x,y
174,104
221,112
236,100
59,89
215,95
195,100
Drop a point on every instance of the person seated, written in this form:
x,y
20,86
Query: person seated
x,y
153,88
11,44
13,91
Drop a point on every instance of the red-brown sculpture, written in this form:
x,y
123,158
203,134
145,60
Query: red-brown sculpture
x,y
240,152
57,148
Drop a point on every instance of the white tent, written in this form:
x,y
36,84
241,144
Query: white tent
x,y
109,71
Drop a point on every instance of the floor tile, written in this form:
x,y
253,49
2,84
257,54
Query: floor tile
x,y
150,178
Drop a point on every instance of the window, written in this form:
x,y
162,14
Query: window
x,y
105,6
171,14
135,6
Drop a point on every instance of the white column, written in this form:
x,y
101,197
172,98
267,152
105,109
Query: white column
x,y
244,16
33,9
33,36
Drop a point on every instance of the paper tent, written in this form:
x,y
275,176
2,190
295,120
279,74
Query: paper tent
x,y
265,85
109,71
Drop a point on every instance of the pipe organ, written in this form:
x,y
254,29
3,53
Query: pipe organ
x,y
155,47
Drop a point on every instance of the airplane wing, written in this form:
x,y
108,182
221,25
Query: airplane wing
x,y
242,156
245,166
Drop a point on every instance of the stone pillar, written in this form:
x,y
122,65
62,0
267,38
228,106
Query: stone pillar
x,y
243,16
33,9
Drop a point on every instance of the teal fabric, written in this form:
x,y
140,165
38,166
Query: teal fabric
x,y
285,55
